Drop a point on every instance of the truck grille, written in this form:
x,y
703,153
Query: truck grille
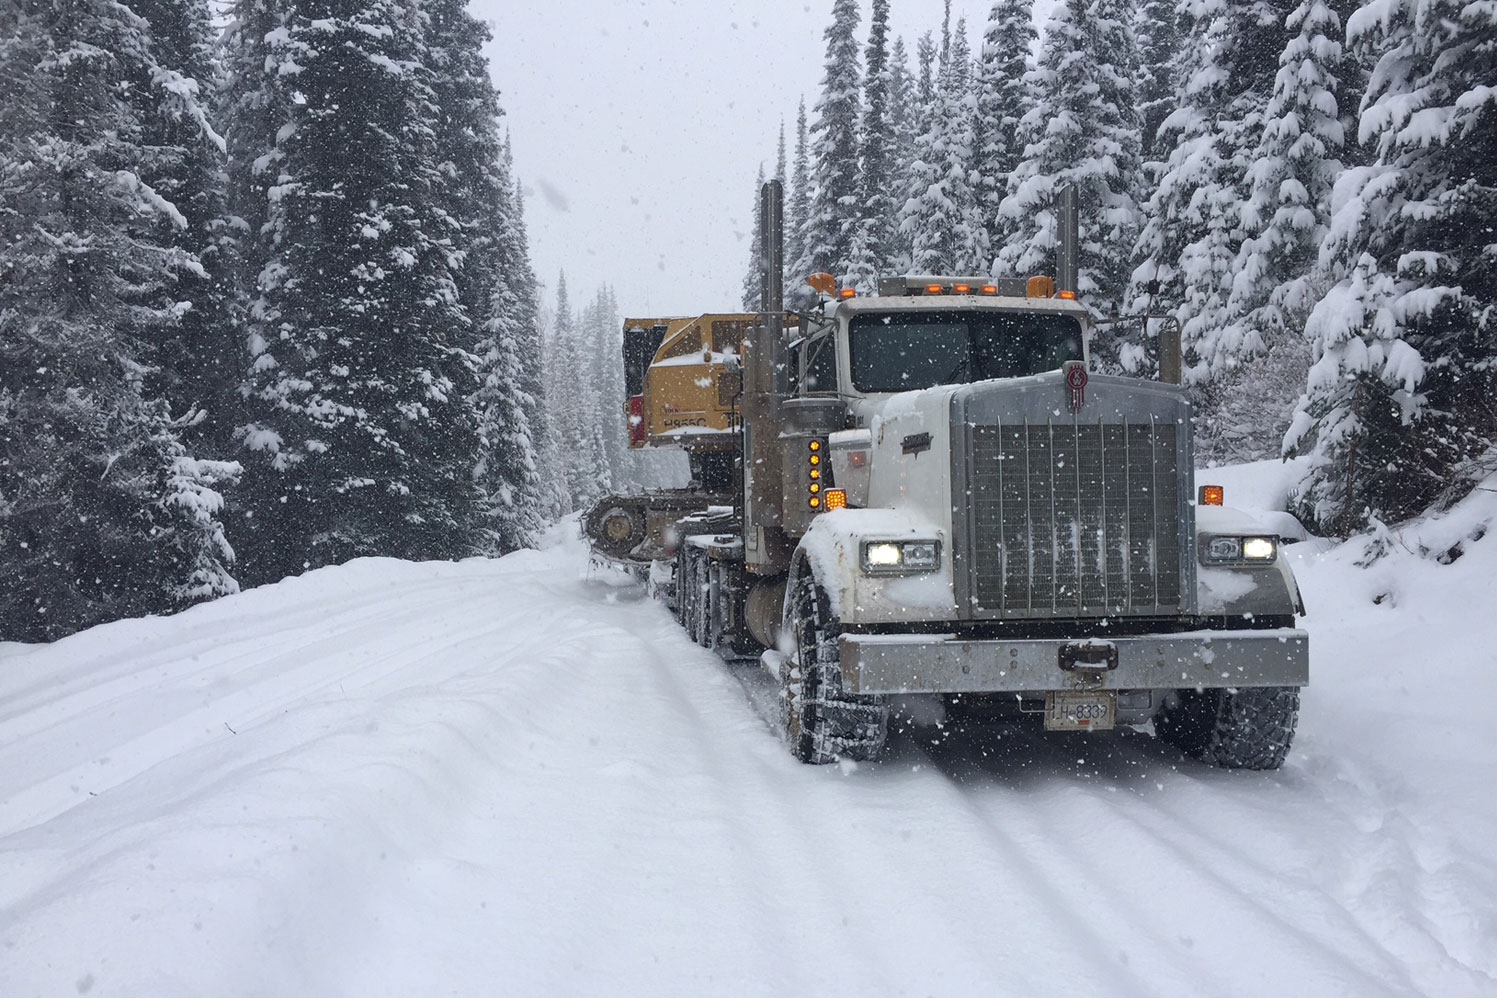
x,y
1075,519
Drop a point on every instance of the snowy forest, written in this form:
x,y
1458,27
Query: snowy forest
x,y
1308,186
267,303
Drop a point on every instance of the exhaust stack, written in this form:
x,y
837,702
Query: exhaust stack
x,y
1067,240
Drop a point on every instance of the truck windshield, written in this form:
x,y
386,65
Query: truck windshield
x,y
901,351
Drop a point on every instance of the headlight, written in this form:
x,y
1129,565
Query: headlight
x,y
1229,549
888,557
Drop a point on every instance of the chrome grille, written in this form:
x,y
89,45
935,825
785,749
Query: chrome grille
x,y
1076,519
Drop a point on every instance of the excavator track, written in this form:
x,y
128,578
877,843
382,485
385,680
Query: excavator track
x,y
631,530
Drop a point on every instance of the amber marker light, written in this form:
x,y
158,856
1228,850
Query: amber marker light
x,y
1067,295
836,498
990,289
962,289
848,292
1212,495
815,502
933,289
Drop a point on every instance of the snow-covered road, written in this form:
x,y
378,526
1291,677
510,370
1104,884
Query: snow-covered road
x,y
513,778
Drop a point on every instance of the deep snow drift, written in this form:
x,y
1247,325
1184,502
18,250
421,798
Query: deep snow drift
x,y
518,777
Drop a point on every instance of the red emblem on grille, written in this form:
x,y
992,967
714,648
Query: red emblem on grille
x,y
1076,378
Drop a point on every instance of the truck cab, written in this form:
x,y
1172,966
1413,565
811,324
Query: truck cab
x,y
1002,528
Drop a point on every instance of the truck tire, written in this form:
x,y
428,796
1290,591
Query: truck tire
x,y
1248,728
822,722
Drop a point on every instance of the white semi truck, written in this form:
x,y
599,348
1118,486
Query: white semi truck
x,y
930,492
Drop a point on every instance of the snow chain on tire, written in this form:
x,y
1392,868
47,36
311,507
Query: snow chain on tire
x,y
822,723
1248,728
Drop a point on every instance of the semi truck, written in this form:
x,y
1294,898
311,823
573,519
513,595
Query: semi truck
x,y
929,490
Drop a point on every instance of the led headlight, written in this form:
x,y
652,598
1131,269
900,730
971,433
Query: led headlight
x,y
882,557
1231,549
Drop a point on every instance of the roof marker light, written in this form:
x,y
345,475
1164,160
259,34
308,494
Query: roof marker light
x,y
1212,495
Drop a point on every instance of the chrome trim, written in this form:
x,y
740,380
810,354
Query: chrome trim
x,y
925,663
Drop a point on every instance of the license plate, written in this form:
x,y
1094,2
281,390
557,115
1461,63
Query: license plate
x,y
1067,710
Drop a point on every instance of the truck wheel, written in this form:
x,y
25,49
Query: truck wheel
x,y
822,722
1249,728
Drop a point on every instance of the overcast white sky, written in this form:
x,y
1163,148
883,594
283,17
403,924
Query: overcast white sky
x,y
638,128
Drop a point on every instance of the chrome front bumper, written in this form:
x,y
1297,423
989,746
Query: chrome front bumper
x,y
935,663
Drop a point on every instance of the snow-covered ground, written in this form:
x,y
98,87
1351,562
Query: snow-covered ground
x,y
519,778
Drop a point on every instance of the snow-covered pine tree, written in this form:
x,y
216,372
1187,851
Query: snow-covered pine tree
x,y
1161,27
103,513
797,212
603,341
362,434
753,275
941,218
871,246
253,105
1083,130
1003,98
903,124
574,400
1398,411
779,161
521,280
1193,227
474,189
193,361
834,150
1275,279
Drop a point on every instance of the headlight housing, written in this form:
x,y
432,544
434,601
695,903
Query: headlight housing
x,y
900,557
1238,549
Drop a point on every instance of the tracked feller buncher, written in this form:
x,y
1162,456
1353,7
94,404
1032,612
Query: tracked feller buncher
x,y
927,491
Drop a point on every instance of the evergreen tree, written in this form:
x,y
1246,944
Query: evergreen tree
x,y
575,409
194,358
1290,179
753,276
254,105
797,213
1193,231
602,339
473,188
103,512
779,162
941,219
1398,413
1003,98
1161,27
871,249
1275,278
834,150
362,431
903,124
508,401
520,279
1083,130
